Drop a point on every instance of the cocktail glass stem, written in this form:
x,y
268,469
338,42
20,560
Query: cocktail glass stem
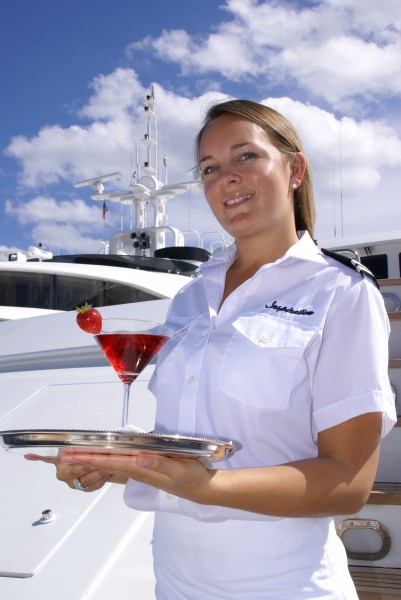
x,y
129,345
124,418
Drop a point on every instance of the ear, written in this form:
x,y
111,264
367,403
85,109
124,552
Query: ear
x,y
298,167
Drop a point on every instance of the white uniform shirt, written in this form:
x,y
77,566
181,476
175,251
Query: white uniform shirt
x,y
300,347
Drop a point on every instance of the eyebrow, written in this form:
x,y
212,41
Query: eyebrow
x,y
233,147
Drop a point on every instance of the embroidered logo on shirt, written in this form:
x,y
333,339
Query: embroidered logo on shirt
x,y
290,310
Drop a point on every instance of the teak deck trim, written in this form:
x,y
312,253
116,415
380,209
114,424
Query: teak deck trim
x,y
386,494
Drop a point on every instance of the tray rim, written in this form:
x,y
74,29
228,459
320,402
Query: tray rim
x,y
102,440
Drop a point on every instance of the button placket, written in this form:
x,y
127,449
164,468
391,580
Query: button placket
x,y
187,415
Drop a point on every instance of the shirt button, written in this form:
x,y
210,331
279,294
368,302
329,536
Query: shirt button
x,y
191,379
264,339
169,496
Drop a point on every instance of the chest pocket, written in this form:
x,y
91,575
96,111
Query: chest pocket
x,y
260,360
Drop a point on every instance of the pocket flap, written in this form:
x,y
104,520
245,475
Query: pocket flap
x,y
272,332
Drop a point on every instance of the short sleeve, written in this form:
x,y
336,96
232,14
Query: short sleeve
x,y
351,376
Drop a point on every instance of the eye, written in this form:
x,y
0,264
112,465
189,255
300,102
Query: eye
x,y
209,170
248,156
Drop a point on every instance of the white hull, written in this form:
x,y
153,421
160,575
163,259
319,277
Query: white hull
x,y
373,536
95,547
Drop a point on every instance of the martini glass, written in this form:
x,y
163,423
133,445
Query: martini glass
x,y
129,345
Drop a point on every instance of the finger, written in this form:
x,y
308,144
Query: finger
x,y
131,464
93,477
99,460
117,464
172,468
87,484
53,460
85,473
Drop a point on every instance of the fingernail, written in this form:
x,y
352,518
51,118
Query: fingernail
x,y
145,460
68,459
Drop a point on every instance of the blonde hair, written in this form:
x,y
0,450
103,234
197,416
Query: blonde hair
x,y
283,136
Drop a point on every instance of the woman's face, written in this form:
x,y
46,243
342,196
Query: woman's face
x,y
247,181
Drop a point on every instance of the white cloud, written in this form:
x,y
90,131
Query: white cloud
x,y
79,152
70,154
113,95
363,147
47,209
170,45
343,68
226,52
70,226
66,238
335,50
383,19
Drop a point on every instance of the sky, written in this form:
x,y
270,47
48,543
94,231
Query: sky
x,y
75,74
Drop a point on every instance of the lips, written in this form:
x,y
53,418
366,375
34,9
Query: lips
x,y
237,200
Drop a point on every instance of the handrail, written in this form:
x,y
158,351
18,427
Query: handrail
x,y
63,358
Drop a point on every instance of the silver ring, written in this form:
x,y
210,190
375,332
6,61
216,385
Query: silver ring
x,y
78,485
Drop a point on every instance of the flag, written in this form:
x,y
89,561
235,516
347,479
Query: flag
x,y
105,210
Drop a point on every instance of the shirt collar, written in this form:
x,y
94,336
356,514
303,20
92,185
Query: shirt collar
x,y
222,257
304,249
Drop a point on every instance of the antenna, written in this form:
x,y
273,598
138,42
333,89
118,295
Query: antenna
x,y
341,182
97,182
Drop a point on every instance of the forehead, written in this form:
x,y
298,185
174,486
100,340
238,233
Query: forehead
x,y
231,129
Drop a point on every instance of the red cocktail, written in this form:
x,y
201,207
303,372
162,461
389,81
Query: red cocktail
x,y
129,353
129,345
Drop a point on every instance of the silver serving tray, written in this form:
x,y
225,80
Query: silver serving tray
x,y
48,442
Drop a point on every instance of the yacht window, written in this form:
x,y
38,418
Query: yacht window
x,y
58,292
378,264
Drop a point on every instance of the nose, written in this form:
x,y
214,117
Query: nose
x,y
227,175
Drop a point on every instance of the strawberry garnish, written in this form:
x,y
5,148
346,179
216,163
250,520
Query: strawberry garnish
x,y
89,319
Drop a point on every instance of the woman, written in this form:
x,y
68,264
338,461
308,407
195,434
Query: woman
x,y
266,345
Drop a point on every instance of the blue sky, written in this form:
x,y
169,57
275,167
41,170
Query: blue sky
x,y
75,73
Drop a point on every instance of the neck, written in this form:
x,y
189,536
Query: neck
x,y
253,253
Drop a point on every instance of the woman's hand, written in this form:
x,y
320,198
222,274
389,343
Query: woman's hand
x,y
184,477
90,479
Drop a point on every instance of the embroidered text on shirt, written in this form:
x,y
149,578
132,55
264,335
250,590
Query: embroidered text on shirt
x,y
291,310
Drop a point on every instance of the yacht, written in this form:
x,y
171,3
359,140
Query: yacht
x,y
30,289
372,537
147,262
60,543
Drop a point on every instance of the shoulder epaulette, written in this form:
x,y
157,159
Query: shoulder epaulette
x,y
352,263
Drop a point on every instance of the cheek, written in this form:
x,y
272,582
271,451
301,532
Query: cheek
x,y
210,192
